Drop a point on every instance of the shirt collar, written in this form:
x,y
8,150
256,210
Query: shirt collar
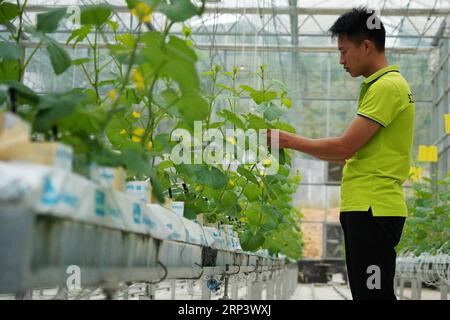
x,y
381,72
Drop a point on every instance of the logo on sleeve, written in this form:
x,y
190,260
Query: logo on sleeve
x,y
411,98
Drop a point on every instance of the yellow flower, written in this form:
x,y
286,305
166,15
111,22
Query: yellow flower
x,y
149,146
135,139
415,173
136,114
231,183
123,132
231,140
112,95
138,79
187,32
139,132
267,163
143,12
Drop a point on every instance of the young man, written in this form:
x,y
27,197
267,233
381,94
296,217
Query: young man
x,y
376,150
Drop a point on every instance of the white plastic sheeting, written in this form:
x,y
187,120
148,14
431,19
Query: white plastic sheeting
x,y
48,190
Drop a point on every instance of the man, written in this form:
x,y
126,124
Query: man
x,y
376,150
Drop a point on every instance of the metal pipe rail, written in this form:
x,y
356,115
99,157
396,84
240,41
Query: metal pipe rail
x,y
433,270
39,251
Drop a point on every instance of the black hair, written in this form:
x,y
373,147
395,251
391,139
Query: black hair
x,y
361,24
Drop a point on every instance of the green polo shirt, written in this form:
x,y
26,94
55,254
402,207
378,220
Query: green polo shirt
x,y
373,177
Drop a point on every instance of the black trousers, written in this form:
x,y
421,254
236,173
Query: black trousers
x,y
370,254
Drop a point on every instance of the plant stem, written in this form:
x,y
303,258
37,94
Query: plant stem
x,y
124,80
212,98
96,69
19,37
87,75
150,124
29,58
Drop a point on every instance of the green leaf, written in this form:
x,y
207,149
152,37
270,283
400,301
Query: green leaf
x,y
253,214
255,122
10,51
251,241
247,174
104,83
3,97
162,143
55,106
215,125
80,61
285,127
231,117
252,192
170,97
137,163
10,70
126,39
23,91
165,165
229,199
184,73
179,10
131,3
192,108
273,112
59,57
114,25
247,88
178,49
153,49
202,174
157,188
87,119
8,11
227,88
95,14
80,34
48,22
257,96
269,96
211,193
261,96
272,212
287,102
114,128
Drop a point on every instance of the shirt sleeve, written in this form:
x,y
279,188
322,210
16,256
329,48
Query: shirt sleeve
x,y
381,103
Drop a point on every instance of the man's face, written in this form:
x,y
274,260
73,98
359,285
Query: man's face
x,y
353,57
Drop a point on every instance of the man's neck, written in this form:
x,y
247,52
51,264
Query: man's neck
x,y
376,66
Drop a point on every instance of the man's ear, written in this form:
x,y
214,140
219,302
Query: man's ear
x,y
368,46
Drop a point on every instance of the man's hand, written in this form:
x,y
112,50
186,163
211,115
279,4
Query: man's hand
x,y
360,131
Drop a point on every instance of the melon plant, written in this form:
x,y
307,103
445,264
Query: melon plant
x,y
143,85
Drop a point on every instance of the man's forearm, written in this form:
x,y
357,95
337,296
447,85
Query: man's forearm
x,y
328,149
